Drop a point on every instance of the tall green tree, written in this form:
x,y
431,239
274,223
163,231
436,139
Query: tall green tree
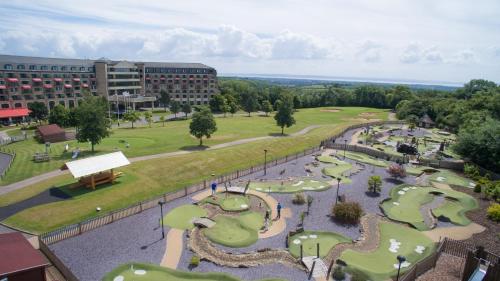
x,y
233,107
202,124
266,107
93,121
216,102
164,99
175,107
162,120
186,109
132,116
284,115
374,184
38,110
225,108
59,115
148,116
249,102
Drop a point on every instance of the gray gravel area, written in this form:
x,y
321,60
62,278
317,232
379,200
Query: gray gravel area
x,y
4,161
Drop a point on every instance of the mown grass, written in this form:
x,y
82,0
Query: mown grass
x,y
171,137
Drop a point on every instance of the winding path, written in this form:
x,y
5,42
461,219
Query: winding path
x,y
36,179
173,251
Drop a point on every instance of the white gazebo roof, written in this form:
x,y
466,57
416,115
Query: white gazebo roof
x,y
96,164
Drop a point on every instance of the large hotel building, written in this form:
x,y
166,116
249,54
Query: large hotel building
x,y
53,81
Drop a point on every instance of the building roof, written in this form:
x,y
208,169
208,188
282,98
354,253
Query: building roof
x,y
426,119
14,112
52,129
18,254
96,164
176,65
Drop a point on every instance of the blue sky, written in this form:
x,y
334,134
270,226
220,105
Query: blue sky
x,y
431,40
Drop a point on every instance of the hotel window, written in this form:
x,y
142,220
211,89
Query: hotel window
x,y
7,66
53,68
90,69
73,68
64,68
20,67
44,67
82,68
32,67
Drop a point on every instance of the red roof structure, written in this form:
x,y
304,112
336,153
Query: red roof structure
x,y
18,255
50,133
14,112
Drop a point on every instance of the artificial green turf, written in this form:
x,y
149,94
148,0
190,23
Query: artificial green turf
x,y
330,159
181,216
236,232
451,178
159,273
326,240
408,209
379,264
298,185
230,202
172,137
363,158
338,171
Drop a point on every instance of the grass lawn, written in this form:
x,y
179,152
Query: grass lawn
x,y
298,185
451,178
159,273
181,216
408,200
309,239
380,264
174,136
230,203
236,232
158,176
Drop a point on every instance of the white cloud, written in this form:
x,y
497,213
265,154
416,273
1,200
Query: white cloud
x,y
464,57
369,51
289,45
415,53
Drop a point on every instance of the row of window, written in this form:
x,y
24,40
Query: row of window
x,y
50,104
49,67
45,75
177,70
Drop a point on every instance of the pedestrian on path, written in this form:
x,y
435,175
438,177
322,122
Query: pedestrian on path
x,y
278,208
214,188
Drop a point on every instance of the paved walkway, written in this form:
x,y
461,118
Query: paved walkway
x,y
173,251
36,179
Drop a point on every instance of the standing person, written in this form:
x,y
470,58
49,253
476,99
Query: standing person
x,y
278,208
214,188
266,220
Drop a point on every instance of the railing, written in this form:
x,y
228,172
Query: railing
x,y
12,155
68,275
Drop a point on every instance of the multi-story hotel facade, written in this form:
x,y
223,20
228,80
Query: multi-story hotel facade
x,y
24,80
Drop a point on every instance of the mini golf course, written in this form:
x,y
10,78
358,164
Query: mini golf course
x,y
406,201
395,240
451,178
299,185
236,232
309,239
363,158
330,160
230,202
338,170
182,216
150,272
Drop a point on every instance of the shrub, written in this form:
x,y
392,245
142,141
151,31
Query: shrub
x,y
338,273
494,212
375,184
396,171
299,198
477,188
195,261
357,276
347,212
471,171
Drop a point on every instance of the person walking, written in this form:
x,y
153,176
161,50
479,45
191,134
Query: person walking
x,y
214,188
278,208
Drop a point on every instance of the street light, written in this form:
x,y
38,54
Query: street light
x,y
401,259
345,147
161,203
265,162
338,187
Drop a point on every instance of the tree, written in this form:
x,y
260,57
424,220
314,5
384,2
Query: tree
x,y
412,121
93,123
249,101
233,107
374,184
149,117
347,212
216,102
164,99
396,171
284,115
38,110
59,115
131,116
202,124
225,108
186,108
267,107
175,107
162,119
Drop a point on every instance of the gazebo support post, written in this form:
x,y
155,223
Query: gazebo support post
x,y
92,182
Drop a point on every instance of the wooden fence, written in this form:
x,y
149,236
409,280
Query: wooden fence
x,y
68,275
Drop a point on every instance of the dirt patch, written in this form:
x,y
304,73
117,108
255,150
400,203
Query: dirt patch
x,y
330,110
454,232
367,114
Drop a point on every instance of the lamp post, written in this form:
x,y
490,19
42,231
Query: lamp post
x,y
345,147
265,162
401,259
404,159
161,203
338,187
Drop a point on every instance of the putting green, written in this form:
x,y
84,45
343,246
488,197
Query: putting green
x,y
363,158
181,216
236,232
405,202
338,170
289,186
230,203
451,178
330,159
381,264
150,272
309,239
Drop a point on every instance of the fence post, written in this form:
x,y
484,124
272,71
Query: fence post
x,y
185,191
79,228
140,206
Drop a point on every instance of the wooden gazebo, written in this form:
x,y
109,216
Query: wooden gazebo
x,y
93,171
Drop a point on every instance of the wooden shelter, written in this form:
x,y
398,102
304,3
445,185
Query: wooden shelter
x,y
50,133
426,122
93,171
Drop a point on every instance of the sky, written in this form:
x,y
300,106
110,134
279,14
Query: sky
x,y
413,40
